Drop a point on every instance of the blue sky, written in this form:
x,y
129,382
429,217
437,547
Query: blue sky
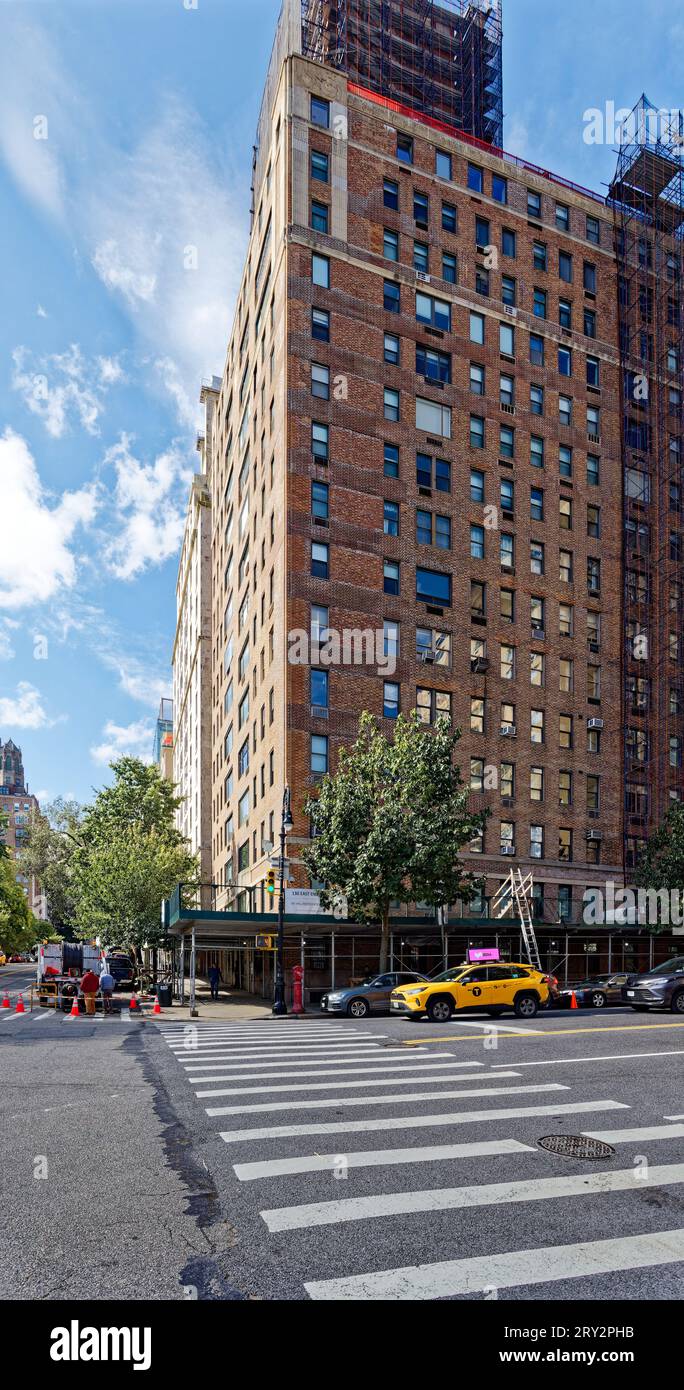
x,y
149,111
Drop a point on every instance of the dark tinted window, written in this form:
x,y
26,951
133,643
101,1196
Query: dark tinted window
x,y
500,972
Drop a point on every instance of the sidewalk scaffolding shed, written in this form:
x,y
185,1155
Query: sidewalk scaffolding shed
x,y
338,953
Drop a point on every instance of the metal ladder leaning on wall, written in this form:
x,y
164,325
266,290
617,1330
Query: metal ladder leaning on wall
x,y
516,890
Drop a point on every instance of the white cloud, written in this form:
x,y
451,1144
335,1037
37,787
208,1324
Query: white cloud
x,y
41,312
35,556
64,385
148,508
24,710
7,626
118,740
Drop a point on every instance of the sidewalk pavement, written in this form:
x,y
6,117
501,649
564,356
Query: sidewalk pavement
x,y
235,1007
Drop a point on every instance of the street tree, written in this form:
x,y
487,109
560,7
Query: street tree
x,y
130,856
390,823
19,929
53,838
662,865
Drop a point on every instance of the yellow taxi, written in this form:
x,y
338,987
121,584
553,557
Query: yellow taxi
x,y
489,988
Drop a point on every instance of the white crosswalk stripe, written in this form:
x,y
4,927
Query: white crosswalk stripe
x,y
289,1072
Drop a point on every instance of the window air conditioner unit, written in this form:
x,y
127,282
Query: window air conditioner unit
x,y
594,723
594,834
508,849
511,311
538,634
480,666
508,730
429,657
426,279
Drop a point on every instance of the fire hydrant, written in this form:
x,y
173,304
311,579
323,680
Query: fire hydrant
x,y
298,989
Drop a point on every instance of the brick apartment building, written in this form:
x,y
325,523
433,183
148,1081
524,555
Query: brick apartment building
x,y
18,805
418,434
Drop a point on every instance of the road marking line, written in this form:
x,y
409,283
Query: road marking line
x,y
494,1027
372,1158
315,1055
628,1136
246,1136
254,1050
339,1101
517,1268
673,1117
386,1204
406,1067
608,1057
345,1085
395,1056
554,1032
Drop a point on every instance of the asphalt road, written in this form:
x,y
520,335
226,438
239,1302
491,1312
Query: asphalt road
x,y
330,1159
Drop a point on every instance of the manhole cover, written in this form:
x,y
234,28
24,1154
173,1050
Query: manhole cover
x,y
575,1146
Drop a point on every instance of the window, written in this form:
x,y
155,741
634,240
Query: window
x,y
436,312
433,647
319,166
565,566
593,575
477,432
536,557
507,662
536,504
319,688
243,856
243,808
594,423
476,485
565,410
442,164
539,305
589,323
565,846
536,784
508,290
506,339
533,204
391,403
391,461
477,542
477,329
243,759
319,501
593,371
507,837
536,842
390,638
390,245
432,705
536,726
565,313
319,754
565,731
508,243
565,620
475,178
594,231
390,194
536,350
481,232
433,587
449,218
432,472
391,700
499,188
593,521
478,599
391,297
432,417
507,780
319,559
434,365
507,605
320,381
506,442
507,495
594,685
449,268
593,792
320,617
565,267
537,615
320,271
507,550
320,441
540,256
565,514
536,451
506,391
589,278
319,217
562,217
421,209
320,325
477,716
566,676
404,148
593,469
433,530
477,768
320,112
390,577
392,349
421,257
391,518
565,361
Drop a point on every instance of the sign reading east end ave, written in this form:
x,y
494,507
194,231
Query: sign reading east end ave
x,y
483,953
306,900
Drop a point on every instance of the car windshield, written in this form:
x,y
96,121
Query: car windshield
x,y
453,974
668,966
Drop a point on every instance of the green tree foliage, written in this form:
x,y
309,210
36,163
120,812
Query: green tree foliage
x,y
390,823
19,929
663,863
48,854
130,855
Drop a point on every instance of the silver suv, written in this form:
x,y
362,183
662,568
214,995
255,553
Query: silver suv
x,y
661,988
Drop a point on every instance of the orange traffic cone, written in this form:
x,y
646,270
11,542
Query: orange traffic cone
x,y
157,1007
20,1006
134,1005
6,1001
74,1008
573,1001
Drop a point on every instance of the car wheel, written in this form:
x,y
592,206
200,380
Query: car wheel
x,y
439,1010
526,1006
598,1000
677,1002
358,1008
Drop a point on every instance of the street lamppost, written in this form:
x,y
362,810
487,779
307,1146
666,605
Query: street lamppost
x,y
279,1005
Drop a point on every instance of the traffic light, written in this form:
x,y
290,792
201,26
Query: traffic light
x,y
271,881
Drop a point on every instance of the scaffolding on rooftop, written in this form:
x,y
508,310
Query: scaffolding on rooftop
x,y
647,196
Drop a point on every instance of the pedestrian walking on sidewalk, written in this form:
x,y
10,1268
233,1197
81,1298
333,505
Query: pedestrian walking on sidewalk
x,y
107,990
215,978
89,987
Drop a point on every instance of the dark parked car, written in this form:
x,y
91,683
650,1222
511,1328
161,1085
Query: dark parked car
x,y
596,993
661,988
371,997
122,968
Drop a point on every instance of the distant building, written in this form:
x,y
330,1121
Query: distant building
x,y
18,805
162,751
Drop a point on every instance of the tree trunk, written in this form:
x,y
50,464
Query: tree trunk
x,y
384,941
